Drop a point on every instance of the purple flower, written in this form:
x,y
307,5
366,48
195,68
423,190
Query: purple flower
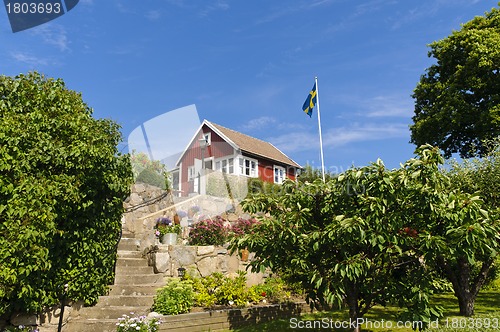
x,y
163,221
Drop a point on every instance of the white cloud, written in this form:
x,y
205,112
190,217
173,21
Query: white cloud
x,y
29,59
258,123
378,106
217,5
291,9
335,137
53,34
388,106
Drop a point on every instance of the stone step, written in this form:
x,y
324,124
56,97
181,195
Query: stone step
x,y
130,270
129,254
125,300
126,234
126,290
140,279
129,244
131,262
112,312
91,325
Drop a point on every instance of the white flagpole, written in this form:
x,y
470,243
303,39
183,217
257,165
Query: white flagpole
x,y
320,135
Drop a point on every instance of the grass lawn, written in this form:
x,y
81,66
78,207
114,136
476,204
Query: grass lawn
x,y
487,311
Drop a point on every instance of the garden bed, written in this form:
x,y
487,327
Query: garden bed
x,y
230,318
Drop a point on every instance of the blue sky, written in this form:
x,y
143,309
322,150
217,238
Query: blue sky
x,y
249,65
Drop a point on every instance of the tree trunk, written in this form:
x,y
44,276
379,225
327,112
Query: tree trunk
x,y
466,290
466,304
352,302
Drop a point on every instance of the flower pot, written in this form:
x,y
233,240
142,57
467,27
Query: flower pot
x,y
169,238
244,255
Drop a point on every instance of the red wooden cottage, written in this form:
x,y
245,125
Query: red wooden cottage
x,y
216,148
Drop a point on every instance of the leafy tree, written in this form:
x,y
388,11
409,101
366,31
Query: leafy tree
x,y
148,171
62,186
309,173
372,235
343,241
476,265
457,101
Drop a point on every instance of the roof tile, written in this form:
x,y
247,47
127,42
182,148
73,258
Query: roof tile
x,y
255,146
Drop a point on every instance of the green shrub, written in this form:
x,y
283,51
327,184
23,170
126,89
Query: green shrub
x,y
153,178
63,183
217,289
233,291
176,297
203,290
274,289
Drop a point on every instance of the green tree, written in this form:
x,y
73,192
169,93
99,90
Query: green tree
x,y
343,241
457,101
62,186
309,173
476,265
148,171
372,235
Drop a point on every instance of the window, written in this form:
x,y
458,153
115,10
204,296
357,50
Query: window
x,y
191,174
207,137
225,165
279,174
248,167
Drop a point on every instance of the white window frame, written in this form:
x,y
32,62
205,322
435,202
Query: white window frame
x,y
245,163
225,165
279,174
191,173
208,138
207,160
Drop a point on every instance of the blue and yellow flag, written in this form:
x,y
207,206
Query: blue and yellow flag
x,y
310,102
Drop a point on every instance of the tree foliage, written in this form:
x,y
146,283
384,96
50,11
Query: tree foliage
x,y
309,174
457,101
477,176
62,186
152,172
372,235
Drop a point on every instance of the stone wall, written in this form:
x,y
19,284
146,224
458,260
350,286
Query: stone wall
x,y
47,321
200,261
137,206
140,217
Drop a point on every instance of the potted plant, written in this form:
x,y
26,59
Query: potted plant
x,y
240,228
167,231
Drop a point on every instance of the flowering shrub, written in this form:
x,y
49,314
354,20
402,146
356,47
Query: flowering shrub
x,y
209,232
20,328
243,226
217,289
141,324
165,225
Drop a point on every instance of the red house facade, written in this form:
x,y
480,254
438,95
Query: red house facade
x,y
216,148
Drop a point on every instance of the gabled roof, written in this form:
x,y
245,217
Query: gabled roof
x,y
254,145
245,143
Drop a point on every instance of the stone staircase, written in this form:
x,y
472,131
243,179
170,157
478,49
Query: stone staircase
x,y
133,291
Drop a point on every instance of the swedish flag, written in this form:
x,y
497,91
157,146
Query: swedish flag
x,y
310,101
